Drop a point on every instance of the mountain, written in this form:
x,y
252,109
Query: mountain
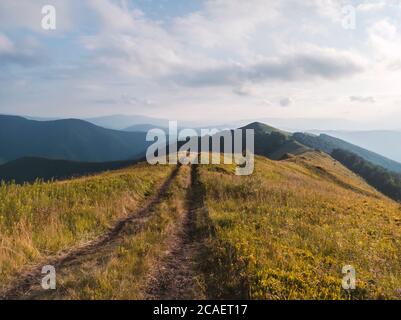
x,y
384,142
144,128
269,142
70,139
308,124
30,169
122,122
262,128
274,143
327,144
387,182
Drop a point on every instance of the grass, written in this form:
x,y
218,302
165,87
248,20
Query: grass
x,y
286,231
121,271
43,218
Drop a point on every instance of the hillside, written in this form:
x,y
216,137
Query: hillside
x,y
284,232
262,128
387,182
384,142
44,218
29,169
274,143
71,139
327,144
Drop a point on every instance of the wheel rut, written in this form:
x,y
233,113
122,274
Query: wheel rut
x,y
176,277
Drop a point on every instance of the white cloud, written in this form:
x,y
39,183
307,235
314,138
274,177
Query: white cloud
x,y
285,102
362,99
225,23
331,9
372,5
130,43
385,40
6,46
23,53
226,54
308,64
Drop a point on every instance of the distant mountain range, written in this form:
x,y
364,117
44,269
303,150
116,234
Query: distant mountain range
x,y
129,122
122,122
70,139
144,128
327,144
62,148
384,142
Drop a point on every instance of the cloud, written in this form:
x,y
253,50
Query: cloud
x,y
223,24
362,99
211,47
26,53
331,9
245,91
130,43
285,102
6,46
124,99
267,102
321,63
372,6
207,58
385,40
137,101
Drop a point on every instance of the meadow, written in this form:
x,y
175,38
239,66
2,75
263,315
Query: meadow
x,y
43,218
286,232
121,270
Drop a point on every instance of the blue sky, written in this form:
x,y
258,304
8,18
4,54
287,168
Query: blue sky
x,y
211,60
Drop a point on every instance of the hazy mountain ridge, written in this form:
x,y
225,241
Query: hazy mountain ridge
x,y
70,139
327,144
87,148
383,142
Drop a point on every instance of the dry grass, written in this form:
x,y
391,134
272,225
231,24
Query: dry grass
x,y
41,219
121,270
286,231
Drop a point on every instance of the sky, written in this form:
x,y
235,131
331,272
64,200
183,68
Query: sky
x,y
220,60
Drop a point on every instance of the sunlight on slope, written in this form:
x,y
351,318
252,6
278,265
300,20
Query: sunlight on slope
x,y
286,231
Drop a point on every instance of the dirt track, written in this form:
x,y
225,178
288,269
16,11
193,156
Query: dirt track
x,y
175,277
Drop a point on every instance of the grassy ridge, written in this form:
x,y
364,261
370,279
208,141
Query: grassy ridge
x,y
286,232
40,219
122,271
